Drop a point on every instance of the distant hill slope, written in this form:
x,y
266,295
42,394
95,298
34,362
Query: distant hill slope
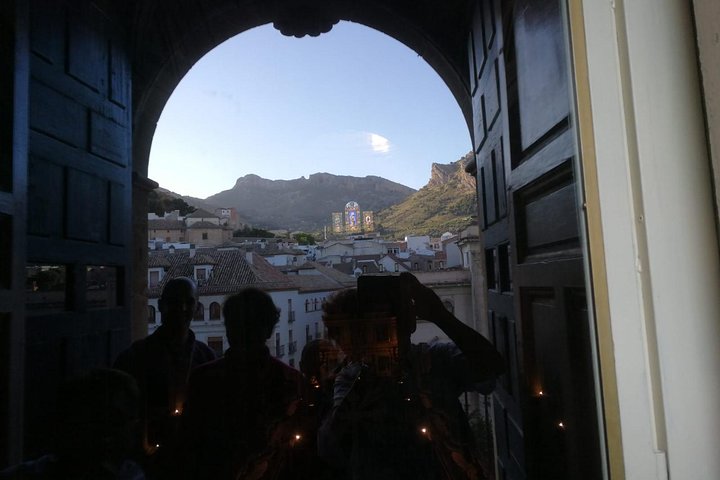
x,y
446,203
304,203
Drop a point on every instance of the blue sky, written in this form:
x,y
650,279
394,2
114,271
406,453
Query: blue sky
x,y
350,102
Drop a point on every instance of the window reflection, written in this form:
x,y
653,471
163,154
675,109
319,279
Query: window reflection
x,y
45,289
101,287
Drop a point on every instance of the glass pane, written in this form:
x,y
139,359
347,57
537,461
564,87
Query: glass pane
x,y
101,287
45,287
5,251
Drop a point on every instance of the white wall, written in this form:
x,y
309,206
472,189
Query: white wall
x,y
454,257
202,330
707,20
460,297
658,234
419,244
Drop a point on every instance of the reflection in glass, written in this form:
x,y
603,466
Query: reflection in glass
x,y
101,287
45,289
6,251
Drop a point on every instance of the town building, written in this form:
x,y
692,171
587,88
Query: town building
x,y
200,228
220,272
353,220
595,133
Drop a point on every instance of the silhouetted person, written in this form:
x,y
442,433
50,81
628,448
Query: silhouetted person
x,y
396,412
161,364
96,431
320,362
236,404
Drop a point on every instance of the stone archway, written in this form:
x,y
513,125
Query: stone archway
x,y
169,37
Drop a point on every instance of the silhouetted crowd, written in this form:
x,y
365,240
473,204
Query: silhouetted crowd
x,y
169,409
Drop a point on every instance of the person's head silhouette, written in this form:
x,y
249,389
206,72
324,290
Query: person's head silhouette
x,y
177,306
250,317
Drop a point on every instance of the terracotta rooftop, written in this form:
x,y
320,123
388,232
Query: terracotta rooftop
x,y
200,213
204,224
155,261
202,259
340,277
163,224
230,273
315,283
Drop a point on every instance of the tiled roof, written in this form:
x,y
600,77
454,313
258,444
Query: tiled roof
x,y
314,283
204,224
395,258
230,273
200,213
344,268
156,261
163,224
366,258
347,280
280,251
202,259
270,276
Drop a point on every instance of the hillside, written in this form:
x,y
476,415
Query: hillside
x,y
446,203
305,203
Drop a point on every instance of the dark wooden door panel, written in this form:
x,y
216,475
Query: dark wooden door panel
x,y
14,73
79,197
545,406
542,75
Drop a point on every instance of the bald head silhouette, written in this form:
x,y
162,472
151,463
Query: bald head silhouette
x,y
177,306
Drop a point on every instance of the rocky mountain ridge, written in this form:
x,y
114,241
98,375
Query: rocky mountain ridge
x,y
447,202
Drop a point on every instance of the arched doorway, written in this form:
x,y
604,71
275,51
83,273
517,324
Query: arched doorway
x,y
517,102
503,62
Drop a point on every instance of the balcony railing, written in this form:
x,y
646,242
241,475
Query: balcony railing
x,y
279,351
292,347
291,316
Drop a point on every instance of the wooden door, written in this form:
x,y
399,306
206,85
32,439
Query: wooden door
x,y
13,180
77,299
545,406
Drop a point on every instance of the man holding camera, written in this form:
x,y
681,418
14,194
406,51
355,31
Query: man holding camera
x,y
396,412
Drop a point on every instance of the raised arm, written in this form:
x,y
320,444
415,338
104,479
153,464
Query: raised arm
x,y
485,360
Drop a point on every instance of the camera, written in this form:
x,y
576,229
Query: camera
x,y
378,334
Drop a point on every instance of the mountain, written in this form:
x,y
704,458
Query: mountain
x,y
305,203
446,203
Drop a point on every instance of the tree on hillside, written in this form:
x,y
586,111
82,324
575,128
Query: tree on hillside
x,y
304,238
247,231
159,203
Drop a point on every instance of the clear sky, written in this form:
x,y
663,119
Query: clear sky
x,y
350,102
